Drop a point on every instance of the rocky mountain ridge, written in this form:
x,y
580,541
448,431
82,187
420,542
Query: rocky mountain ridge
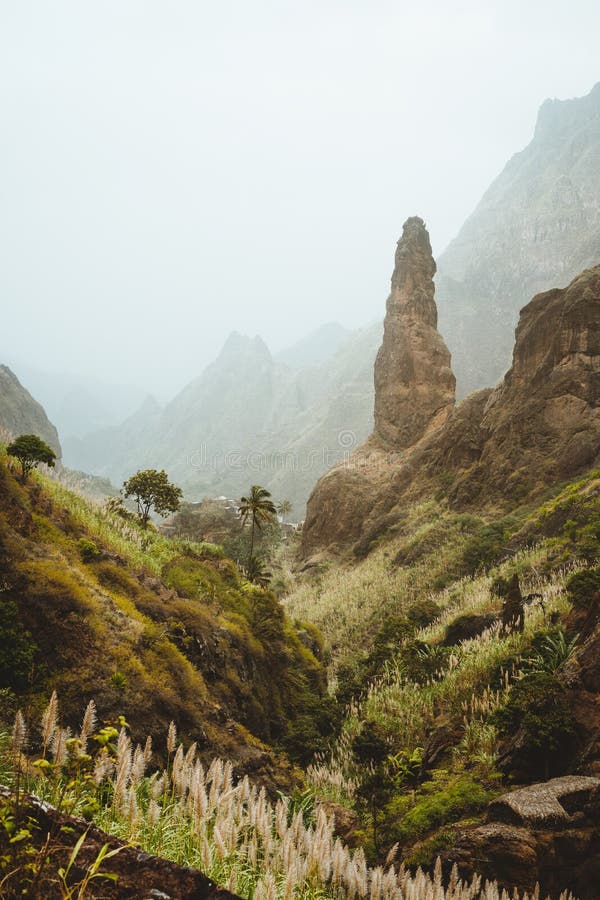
x,y
536,227
539,426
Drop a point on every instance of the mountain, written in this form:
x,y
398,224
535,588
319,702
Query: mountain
x,y
536,227
315,348
248,418
540,426
94,607
21,414
78,404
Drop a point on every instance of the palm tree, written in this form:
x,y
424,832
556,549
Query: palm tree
x,y
261,510
284,509
257,572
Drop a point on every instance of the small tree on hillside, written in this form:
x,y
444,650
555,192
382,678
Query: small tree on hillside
x,y
259,508
284,509
152,489
31,450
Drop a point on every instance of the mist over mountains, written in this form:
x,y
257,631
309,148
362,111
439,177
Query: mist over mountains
x,y
283,420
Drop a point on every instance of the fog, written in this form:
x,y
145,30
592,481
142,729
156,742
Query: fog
x,y
171,171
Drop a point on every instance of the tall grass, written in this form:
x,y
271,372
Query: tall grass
x,y
207,818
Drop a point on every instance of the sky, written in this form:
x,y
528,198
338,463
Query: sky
x,y
172,170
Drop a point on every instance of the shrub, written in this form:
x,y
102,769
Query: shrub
x,y
582,586
485,547
88,550
539,711
445,799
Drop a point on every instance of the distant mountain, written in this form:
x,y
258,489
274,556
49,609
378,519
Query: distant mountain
x,y
282,421
78,404
315,348
536,227
247,419
21,414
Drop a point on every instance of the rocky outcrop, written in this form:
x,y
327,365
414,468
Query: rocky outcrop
x,y
21,414
414,384
137,874
546,833
542,424
539,426
537,226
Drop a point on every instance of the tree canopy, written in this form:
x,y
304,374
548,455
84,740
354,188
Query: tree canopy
x,y
151,489
30,450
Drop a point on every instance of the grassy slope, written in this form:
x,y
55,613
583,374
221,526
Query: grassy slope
x,y
385,620
148,627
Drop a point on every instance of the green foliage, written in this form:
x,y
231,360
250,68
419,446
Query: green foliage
x,y
445,799
551,651
260,509
582,587
17,648
538,708
151,489
30,450
485,547
88,549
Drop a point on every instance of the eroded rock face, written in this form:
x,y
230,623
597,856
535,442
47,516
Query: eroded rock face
x,y
414,384
539,426
543,421
547,833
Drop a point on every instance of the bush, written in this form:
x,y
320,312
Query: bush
x,y
582,587
538,713
87,550
487,544
445,799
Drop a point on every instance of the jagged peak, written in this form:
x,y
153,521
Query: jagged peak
x,y
558,117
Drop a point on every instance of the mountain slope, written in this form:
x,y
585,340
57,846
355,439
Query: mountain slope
x,y
247,419
149,628
535,228
21,414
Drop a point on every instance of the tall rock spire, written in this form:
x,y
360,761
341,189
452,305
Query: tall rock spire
x,y
414,384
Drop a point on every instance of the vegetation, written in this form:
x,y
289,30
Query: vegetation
x,y
152,490
194,815
260,509
30,450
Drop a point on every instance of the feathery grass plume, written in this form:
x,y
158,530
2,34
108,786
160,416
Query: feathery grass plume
x,y
171,738
148,750
49,722
19,733
88,724
58,746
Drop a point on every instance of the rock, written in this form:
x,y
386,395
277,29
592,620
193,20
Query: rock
x,y
414,384
21,414
140,876
539,427
548,803
537,226
547,833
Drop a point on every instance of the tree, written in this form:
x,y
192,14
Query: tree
x,y
257,572
259,508
152,489
284,509
30,450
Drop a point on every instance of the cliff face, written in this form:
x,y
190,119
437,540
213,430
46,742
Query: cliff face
x,y
414,384
542,423
21,414
536,227
539,426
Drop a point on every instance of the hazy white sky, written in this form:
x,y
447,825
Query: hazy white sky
x,y
172,170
